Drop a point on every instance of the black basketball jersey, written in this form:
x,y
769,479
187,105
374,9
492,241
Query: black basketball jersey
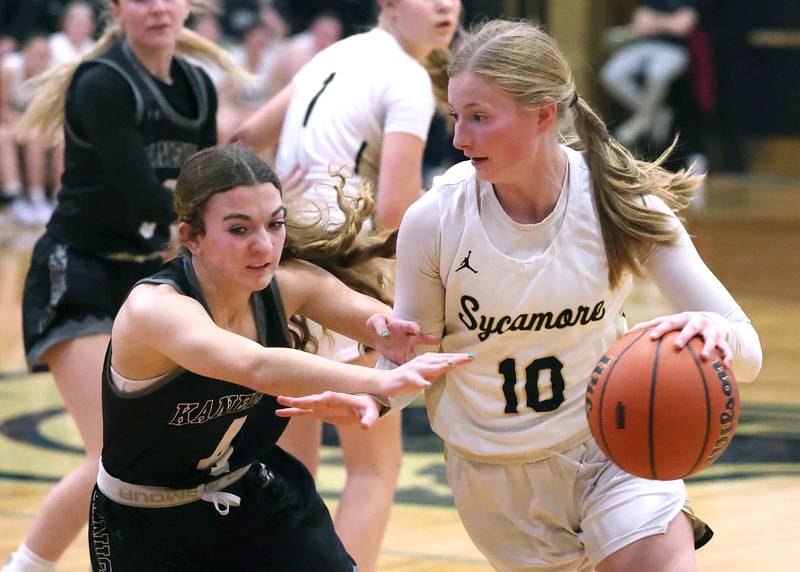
x,y
174,432
98,211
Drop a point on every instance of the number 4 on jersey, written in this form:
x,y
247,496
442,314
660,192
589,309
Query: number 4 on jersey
x,y
508,369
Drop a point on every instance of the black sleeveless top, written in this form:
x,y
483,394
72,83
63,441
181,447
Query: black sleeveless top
x,y
163,433
126,133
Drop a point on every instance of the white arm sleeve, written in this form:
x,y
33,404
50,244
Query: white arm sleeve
x,y
401,401
419,292
689,286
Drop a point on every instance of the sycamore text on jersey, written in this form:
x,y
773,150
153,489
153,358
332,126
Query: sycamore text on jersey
x,y
489,325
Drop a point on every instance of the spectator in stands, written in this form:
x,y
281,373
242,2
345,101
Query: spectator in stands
x,y
16,93
257,54
75,38
325,29
639,74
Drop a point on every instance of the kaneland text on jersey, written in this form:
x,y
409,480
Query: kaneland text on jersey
x,y
187,413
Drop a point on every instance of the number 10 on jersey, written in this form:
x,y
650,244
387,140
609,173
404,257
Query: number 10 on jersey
x,y
533,371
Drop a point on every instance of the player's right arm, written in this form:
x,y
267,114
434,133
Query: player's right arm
x,y
158,330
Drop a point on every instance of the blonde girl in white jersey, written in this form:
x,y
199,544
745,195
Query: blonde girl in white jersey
x,y
524,256
365,103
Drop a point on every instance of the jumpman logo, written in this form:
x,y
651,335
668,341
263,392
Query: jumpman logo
x,y
465,263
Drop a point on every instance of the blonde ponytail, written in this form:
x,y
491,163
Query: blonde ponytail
x,y
45,114
620,181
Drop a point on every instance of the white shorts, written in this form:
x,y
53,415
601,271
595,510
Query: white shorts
x,y
564,513
333,345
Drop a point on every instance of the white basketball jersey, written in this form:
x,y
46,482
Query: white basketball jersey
x,y
537,326
344,101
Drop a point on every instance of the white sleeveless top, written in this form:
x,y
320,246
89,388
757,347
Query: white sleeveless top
x,y
537,326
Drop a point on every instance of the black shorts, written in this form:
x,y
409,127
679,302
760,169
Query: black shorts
x,y
70,293
281,525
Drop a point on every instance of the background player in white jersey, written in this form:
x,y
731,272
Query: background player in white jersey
x,y
524,256
365,103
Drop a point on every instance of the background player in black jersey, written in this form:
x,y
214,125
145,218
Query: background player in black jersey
x,y
132,112
198,352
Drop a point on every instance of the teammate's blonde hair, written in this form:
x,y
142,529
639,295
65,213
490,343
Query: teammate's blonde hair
x,y
45,114
524,62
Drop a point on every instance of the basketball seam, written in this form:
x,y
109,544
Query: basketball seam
x,y
708,408
605,386
652,407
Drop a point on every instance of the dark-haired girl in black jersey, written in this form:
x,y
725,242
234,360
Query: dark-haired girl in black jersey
x,y
190,477
132,112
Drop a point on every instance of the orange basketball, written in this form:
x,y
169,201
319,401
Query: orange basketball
x,y
660,413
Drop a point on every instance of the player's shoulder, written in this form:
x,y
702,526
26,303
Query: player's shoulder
x,y
447,196
451,187
456,179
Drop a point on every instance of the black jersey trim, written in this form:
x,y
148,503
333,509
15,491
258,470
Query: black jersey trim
x,y
359,156
138,115
274,288
170,112
260,314
194,284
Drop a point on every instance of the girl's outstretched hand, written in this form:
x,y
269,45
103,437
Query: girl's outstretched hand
x,y
418,373
691,324
395,338
332,407
345,408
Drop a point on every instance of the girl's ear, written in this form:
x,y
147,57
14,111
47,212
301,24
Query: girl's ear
x,y
547,116
187,238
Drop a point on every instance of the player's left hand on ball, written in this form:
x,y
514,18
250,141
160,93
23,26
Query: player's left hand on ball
x,y
691,324
332,407
395,338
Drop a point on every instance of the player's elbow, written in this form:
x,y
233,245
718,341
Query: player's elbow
x,y
749,356
747,368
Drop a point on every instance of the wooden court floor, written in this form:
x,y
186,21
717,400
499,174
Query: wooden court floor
x,y
748,233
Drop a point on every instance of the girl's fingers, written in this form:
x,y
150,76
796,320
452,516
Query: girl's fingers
x,y
379,324
434,365
709,336
647,324
368,417
406,327
298,402
688,331
428,340
292,412
727,352
665,326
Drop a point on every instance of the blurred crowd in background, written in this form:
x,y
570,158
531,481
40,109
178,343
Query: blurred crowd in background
x,y
673,67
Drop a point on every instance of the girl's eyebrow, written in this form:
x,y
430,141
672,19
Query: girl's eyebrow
x,y
280,210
